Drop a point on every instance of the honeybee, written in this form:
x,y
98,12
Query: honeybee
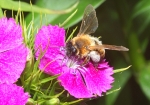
x,y
86,46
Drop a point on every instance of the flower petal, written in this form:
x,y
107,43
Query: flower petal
x,y
99,80
11,94
51,65
49,37
10,34
12,63
74,84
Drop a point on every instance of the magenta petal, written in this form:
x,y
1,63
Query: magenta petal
x,y
11,94
51,62
12,63
99,81
10,34
49,37
74,85
51,65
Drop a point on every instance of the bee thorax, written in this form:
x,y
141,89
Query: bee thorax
x,y
95,56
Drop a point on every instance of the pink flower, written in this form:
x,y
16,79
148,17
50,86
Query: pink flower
x,y
11,94
13,53
79,81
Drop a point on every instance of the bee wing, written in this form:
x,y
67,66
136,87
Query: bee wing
x,y
109,47
89,22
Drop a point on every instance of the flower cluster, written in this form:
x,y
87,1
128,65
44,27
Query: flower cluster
x,y
13,56
80,81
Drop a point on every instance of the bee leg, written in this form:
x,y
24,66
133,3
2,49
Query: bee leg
x,y
86,60
95,65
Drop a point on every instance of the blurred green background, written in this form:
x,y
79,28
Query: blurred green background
x,y
121,22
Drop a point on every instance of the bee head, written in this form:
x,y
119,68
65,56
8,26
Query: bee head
x,y
71,49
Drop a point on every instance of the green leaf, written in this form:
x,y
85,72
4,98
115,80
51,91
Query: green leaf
x,y
15,5
141,16
53,101
61,25
48,79
1,13
75,102
144,80
122,69
141,11
60,93
53,88
112,91
66,103
141,7
78,16
120,80
40,19
59,5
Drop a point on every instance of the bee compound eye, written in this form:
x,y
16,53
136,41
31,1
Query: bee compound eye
x,y
71,50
